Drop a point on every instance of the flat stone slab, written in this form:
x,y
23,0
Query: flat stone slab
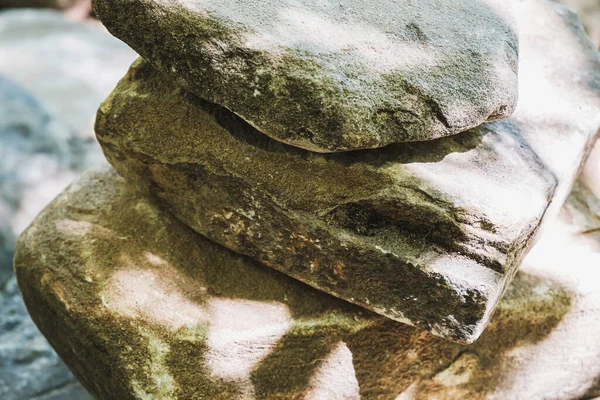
x,y
334,75
141,307
427,233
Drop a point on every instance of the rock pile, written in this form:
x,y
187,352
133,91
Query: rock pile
x,y
141,307
236,125
329,76
428,233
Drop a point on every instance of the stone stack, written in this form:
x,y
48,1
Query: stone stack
x,y
368,151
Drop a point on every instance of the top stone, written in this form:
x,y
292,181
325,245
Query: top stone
x,y
334,75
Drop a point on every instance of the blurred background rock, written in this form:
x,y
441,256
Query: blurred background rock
x,y
36,3
589,11
56,66
55,69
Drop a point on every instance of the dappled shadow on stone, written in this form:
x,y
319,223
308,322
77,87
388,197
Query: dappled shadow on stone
x,y
132,286
397,207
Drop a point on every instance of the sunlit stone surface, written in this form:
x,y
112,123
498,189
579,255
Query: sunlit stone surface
x,y
334,75
427,233
141,307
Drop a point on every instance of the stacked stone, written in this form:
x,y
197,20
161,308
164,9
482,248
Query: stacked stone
x,y
320,140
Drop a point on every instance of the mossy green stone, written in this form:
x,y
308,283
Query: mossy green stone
x,y
141,307
334,75
426,233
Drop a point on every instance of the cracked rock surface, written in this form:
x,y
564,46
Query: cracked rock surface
x,y
140,306
425,233
334,75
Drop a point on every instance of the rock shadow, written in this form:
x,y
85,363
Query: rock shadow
x,y
387,356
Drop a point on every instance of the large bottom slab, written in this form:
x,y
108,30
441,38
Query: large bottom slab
x,y
429,233
141,307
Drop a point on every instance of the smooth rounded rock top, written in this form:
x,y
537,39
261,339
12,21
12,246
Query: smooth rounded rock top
x,y
334,75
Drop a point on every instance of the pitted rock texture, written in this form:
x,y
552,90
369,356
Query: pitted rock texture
x,y
141,307
427,233
334,75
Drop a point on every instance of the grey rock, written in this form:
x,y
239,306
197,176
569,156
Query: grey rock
x,y
141,307
589,11
334,75
427,233
69,67
38,157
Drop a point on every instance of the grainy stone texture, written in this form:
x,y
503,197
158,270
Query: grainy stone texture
x,y
426,233
69,67
141,307
334,75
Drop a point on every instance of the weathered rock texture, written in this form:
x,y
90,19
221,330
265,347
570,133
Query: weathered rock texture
x,y
331,76
427,233
141,307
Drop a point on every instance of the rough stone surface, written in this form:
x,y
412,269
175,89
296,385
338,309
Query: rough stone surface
x,y
141,307
39,156
334,75
427,233
69,67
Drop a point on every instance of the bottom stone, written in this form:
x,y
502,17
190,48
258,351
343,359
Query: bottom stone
x,y
141,307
